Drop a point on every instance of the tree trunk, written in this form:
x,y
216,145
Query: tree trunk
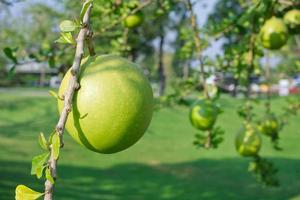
x,y
161,71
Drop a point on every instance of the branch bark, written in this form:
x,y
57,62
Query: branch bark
x,y
198,46
85,33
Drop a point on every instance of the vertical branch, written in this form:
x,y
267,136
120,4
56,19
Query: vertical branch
x,y
267,74
161,73
73,85
198,46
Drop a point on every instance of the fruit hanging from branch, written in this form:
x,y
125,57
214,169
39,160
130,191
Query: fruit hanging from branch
x,y
203,114
134,20
113,107
248,141
274,34
292,20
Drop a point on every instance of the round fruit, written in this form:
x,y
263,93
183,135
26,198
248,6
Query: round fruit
x,y
113,107
292,20
269,126
134,20
248,141
274,34
203,114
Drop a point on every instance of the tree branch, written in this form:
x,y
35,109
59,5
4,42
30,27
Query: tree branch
x,y
198,46
85,33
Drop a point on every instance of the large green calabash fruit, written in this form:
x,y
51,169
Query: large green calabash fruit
x,y
113,107
203,114
274,34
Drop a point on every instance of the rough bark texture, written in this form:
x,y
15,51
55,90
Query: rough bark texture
x,y
84,34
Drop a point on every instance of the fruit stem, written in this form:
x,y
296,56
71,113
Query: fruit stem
x,y
85,33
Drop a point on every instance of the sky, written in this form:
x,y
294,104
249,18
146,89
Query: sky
x,y
201,11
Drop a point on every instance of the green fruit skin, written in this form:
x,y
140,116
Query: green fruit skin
x,y
135,20
274,34
269,126
292,20
248,141
113,107
203,114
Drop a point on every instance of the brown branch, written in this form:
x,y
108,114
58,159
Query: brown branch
x,y
198,46
84,34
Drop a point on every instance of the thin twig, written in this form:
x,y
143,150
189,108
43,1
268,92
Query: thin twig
x,y
84,33
198,46
267,74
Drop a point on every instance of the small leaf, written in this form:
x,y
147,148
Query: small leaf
x,y
53,93
51,62
66,38
38,161
43,142
84,9
39,171
67,26
25,193
11,72
49,176
10,54
55,146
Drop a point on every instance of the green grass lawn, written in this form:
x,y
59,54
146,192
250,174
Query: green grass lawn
x,y
162,165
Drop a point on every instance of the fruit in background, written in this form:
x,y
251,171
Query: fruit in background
x,y
113,107
203,114
248,141
292,20
269,125
274,34
134,20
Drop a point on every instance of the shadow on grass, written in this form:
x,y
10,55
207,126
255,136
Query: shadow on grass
x,y
202,179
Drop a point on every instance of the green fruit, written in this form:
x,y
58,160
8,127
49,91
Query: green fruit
x,y
134,20
292,20
203,114
269,125
274,34
113,107
248,141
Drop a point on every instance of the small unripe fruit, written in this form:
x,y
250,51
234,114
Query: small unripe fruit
x,y
134,20
274,34
203,114
292,20
248,141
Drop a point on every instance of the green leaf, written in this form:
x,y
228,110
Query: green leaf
x,y
49,176
43,142
67,26
25,193
53,93
10,54
39,171
11,72
38,161
55,146
66,38
84,9
51,62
